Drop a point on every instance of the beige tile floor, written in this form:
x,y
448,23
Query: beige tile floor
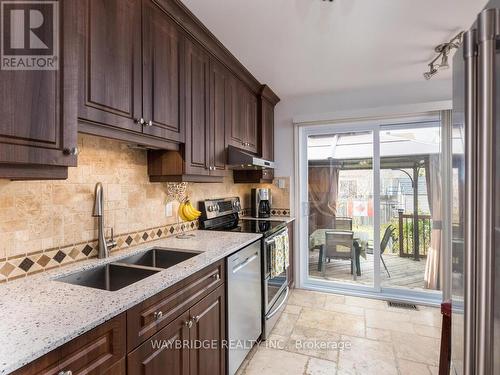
x,y
377,339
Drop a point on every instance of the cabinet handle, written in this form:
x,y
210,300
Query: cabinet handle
x,y
150,123
195,319
158,314
216,277
140,121
71,151
69,372
189,323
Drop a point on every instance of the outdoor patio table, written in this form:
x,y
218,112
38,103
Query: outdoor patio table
x,y
318,239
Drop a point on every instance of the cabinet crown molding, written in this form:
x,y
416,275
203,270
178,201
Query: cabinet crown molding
x,y
268,94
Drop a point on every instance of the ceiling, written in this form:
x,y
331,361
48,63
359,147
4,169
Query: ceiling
x,y
302,47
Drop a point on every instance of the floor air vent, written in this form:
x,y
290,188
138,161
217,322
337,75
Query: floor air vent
x,y
402,305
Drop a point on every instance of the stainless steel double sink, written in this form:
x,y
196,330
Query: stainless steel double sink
x,y
126,271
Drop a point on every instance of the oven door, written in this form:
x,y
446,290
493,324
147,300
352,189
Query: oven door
x,y
273,286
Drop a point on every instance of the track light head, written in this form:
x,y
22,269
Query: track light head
x,y
431,73
443,50
444,62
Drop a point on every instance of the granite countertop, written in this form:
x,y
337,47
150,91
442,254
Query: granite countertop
x,y
39,314
287,219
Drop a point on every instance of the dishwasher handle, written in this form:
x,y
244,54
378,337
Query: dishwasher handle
x,y
245,262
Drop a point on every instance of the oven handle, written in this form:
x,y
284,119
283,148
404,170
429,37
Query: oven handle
x,y
275,311
245,263
271,239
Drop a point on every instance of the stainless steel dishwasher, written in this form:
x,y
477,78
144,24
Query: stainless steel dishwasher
x,y
244,303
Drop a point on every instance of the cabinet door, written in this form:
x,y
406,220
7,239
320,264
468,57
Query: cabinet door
x,y
250,121
234,133
162,73
196,155
266,134
99,351
218,86
111,61
209,328
38,112
164,352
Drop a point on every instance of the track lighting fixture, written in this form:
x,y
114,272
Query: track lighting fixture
x,y
443,50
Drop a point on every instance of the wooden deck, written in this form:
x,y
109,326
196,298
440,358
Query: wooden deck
x,y
405,272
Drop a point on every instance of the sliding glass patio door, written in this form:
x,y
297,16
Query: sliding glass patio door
x,y
371,202
340,195
410,205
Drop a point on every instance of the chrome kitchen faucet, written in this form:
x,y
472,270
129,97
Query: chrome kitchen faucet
x,y
103,244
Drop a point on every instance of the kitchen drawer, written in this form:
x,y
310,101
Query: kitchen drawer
x,y
155,356
99,351
148,317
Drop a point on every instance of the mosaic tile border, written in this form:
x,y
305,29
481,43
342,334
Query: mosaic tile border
x,y
40,261
274,212
280,211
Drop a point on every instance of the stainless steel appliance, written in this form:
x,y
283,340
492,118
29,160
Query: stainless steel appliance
x,y
275,288
223,214
244,303
261,203
476,224
239,159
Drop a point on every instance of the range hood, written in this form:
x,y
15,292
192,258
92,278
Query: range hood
x,y
239,160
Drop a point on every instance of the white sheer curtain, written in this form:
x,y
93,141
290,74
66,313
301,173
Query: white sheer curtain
x,y
434,194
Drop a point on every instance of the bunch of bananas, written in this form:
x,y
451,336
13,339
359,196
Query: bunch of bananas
x,y
187,212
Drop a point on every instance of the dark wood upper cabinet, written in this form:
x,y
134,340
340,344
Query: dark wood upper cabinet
x,y
249,122
38,116
203,156
267,100
266,133
197,152
163,72
241,130
111,63
130,74
234,132
219,116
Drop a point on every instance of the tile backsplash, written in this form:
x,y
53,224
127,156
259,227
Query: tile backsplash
x,y
37,217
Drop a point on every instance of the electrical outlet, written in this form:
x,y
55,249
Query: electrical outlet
x,y
281,183
169,209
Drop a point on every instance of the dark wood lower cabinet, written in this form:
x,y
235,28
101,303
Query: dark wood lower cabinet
x,y
100,351
189,343
208,332
161,353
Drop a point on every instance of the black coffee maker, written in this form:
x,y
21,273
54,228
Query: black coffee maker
x,y
261,203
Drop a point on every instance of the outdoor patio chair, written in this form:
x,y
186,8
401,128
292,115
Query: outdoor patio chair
x,y
388,234
338,245
342,223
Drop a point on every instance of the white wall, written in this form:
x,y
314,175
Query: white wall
x,y
291,107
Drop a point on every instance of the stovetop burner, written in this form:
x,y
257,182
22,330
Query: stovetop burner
x,y
223,215
258,226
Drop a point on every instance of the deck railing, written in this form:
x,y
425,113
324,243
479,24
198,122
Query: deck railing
x,y
406,235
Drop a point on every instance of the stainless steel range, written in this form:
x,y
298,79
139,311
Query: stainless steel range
x,y
223,215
